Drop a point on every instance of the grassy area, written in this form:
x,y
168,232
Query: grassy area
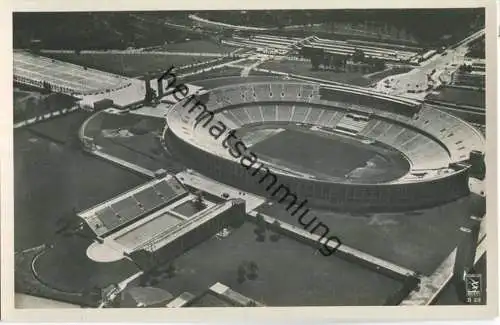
x,y
418,240
261,73
51,178
143,148
323,156
26,282
279,280
248,62
460,96
66,267
377,76
201,46
355,78
131,65
20,94
29,104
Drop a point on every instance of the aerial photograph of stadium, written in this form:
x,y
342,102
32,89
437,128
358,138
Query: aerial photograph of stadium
x,y
250,158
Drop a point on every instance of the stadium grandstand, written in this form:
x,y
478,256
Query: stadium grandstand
x,y
64,77
347,48
94,89
156,215
430,147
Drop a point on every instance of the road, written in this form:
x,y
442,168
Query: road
x,y
417,78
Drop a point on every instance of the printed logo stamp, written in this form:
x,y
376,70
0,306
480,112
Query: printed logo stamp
x,y
473,288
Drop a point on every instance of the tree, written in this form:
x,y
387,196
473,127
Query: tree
x,y
198,202
252,270
261,228
251,303
315,61
358,55
171,270
46,87
379,65
252,266
241,273
260,219
260,232
337,63
275,236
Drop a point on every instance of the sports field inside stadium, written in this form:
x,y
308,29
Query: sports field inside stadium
x,y
331,155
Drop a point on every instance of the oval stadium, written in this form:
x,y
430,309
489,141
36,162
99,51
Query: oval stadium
x,y
339,147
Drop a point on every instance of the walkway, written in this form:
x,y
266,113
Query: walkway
x,y
44,117
417,79
123,163
135,51
375,262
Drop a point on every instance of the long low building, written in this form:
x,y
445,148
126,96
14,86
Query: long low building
x,y
93,87
281,43
64,77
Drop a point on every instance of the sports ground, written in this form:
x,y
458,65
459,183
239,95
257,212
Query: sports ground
x,y
330,156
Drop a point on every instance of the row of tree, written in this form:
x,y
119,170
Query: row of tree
x,y
119,30
465,68
319,58
93,30
477,49
428,26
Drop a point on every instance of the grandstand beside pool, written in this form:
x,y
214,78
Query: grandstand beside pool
x,y
153,216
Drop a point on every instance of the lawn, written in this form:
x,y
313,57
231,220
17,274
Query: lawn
x,y
19,94
130,65
29,104
247,62
142,148
354,78
201,46
280,280
417,240
460,96
377,76
51,178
